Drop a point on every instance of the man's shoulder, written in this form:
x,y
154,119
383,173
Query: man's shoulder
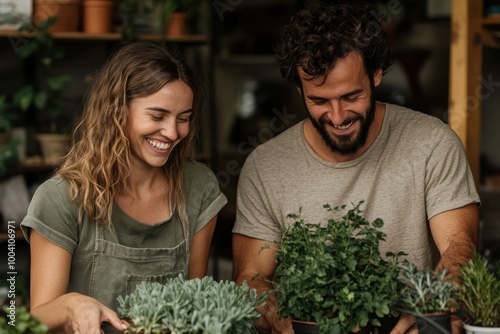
x,y
409,121
282,142
409,116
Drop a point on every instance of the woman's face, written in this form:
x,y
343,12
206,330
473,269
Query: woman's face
x,y
158,122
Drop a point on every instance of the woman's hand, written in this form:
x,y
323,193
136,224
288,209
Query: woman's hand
x,y
84,315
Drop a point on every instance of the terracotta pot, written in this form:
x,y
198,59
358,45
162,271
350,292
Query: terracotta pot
x,y
176,26
67,13
98,16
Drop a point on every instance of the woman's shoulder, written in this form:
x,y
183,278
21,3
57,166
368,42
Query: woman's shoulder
x,y
198,174
54,186
194,167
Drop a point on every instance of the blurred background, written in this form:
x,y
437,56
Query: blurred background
x,y
45,72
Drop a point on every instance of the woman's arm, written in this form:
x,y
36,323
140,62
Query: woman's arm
x,y
200,250
50,302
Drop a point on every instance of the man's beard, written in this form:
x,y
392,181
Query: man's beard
x,y
347,144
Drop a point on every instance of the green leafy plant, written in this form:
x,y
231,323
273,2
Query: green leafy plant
x,y
479,292
22,323
8,147
333,273
191,307
47,96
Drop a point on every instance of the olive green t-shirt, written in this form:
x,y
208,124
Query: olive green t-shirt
x,y
55,216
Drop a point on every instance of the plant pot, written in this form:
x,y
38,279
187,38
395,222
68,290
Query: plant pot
x,y
480,330
304,327
434,324
307,327
53,147
67,13
176,26
98,16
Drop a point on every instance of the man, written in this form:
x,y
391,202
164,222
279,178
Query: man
x,y
409,168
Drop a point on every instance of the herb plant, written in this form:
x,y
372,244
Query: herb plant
x,y
191,306
426,291
333,274
479,292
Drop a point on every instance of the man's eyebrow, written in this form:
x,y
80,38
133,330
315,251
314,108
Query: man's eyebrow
x,y
348,94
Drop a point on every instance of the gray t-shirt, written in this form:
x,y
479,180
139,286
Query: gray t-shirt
x,y
52,214
415,169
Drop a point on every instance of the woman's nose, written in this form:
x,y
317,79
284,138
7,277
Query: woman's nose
x,y
169,130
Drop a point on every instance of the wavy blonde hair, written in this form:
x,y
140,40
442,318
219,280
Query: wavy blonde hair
x,y
97,165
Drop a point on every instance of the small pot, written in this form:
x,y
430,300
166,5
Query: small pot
x,y
176,26
434,323
481,330
98,16
67,13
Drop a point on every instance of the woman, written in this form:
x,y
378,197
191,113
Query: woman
x,y
126,205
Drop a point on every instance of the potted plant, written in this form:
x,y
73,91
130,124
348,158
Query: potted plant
x,y
332,274
67,14
46,96
429,296
173,14
479,295
191,306
98,16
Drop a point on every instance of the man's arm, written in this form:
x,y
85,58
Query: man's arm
x,y
456,234
255,265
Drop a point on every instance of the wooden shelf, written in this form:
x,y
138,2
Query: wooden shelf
x,y
491,21
78,35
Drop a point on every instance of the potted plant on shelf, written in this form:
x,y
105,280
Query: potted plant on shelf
x,y
191,306
479,295
173,15
333,276
429,296
46,95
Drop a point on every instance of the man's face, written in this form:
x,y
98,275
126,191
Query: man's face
x,y
341,105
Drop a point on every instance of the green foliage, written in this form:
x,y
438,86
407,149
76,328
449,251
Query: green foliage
x,y
479,292
191,307
426,291
47,96
25,322
333,274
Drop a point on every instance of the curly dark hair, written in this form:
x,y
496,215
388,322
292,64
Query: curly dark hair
x,y
316,38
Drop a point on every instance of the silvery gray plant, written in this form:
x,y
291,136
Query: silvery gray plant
x,y
196,306
426,291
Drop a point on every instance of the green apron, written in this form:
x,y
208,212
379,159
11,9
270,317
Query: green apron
x,y
118,269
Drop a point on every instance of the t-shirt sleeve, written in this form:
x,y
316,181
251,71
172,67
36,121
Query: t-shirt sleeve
x,y
254,216
204,198
449,180
53,215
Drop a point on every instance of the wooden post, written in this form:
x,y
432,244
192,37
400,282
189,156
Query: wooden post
x,y
465,77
